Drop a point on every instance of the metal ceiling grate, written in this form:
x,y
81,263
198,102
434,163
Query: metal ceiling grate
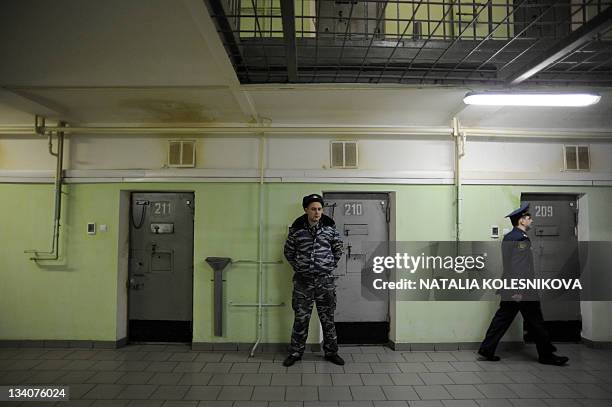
x,y
397,41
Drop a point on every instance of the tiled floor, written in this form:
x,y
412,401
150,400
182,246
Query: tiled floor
x,y
173,375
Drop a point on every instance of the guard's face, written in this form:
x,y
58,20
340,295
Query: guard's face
x,y
314,211
526,221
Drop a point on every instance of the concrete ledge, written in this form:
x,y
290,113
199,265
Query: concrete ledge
x,y
63,344
245,347
448,346
596,344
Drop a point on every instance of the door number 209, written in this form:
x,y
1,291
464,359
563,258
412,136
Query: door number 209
x,y
543,211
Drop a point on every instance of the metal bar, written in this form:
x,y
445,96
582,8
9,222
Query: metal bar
x,y
225,29
482,8
263,48
378,20
288,14
582,35
218,294
348,25
490,35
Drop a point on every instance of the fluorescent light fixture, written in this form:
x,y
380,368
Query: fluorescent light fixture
x,y
531,99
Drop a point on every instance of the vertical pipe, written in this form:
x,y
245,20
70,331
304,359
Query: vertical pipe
x,y
260,246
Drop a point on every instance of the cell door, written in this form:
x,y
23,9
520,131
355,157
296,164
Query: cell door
x,y
360,218
554,240
161,267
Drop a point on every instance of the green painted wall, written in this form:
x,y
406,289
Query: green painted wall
x,y
76,298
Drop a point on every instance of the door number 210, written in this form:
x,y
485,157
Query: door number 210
x,y
353,209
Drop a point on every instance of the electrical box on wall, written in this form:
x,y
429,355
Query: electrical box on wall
x,y
495,231
91,228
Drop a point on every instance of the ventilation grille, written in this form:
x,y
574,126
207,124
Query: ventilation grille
x,y
344,154
181,153
577,158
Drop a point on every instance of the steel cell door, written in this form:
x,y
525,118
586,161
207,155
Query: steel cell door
x,y
161,257
360,218
555,253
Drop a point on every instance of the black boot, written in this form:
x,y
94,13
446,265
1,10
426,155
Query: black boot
x,y
290,360
489,356
334,358
553,359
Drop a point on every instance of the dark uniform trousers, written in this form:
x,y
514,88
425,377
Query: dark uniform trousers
x,y
532,313
321,290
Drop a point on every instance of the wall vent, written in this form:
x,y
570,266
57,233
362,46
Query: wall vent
x,y
181,153
577,158
344,154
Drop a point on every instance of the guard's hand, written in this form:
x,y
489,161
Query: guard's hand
x,y
517,297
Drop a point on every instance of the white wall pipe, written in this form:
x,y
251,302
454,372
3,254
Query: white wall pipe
x,y
320,130
260,244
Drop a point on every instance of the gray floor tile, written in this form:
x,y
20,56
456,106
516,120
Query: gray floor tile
x,y
441,356
528,391
191,367
157,356
357,368
523,377
217,367
301,393
459,403
494,377
346,379
256,379
406,379
105,377
590,391
179,403
528,403
165,392
76,377
365,357
425,403
316,379
202,393
165,378
103,391
367,393
137,391
400,393
269,393
436,392
464,377
558,390
199,379
466,366
416,357
135,378
385,368
289,379
327,367
412,367
494,403
225,379
182,357
355,403
376,379
133,366
250,404
394,403
145,403
244,367
463,391
161,366
208,357
110,403
435,378
334,393
235,393
495,391
285,404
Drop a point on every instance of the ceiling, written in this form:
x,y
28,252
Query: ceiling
x,y
162,62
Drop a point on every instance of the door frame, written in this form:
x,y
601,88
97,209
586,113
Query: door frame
x,y
392,237
123,255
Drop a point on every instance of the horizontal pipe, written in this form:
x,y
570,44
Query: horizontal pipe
x,y
321,130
